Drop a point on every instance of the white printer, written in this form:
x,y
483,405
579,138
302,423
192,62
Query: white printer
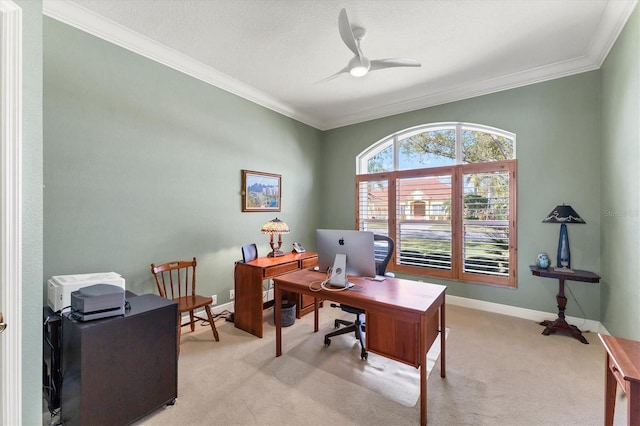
x,y
59,287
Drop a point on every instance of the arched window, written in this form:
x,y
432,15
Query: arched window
x,y
446,193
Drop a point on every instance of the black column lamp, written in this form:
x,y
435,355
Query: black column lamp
x,y
563,214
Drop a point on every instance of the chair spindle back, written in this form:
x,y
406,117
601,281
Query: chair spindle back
x,y
175,279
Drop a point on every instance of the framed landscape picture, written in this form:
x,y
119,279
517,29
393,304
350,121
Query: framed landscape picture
x,y
260,191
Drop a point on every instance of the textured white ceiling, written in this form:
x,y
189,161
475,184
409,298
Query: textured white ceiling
x,y
276,52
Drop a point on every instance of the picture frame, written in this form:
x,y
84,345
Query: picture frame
x,y
261,192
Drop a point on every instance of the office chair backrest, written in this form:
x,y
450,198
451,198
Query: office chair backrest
x,y
249,252
383,251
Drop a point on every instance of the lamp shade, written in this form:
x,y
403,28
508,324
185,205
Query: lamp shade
x,y
275,226
563,214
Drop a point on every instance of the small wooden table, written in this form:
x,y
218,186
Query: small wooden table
x,y
560,324
622,364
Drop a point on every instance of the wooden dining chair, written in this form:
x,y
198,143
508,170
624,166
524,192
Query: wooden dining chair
x,y
177,281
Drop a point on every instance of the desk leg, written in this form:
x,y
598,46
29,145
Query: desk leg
x,y
633,403
560,324
423,370
277,295
316,314
443,335
610,385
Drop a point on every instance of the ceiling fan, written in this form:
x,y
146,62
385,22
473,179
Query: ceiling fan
x,y
360,65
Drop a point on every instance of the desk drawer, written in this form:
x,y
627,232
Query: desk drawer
x,y
309,263
274,270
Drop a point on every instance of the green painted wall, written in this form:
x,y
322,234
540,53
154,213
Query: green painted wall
x,y
143,164
620,153
32,212
557,124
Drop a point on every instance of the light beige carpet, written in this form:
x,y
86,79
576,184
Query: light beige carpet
x,y
500,371
394,380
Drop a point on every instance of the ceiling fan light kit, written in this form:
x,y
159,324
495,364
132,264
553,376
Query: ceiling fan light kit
x,y
360,65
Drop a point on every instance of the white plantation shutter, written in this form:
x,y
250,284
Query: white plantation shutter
x,y
423,211
486,223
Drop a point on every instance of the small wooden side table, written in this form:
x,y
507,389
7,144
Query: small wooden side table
x,y
622,364
560,324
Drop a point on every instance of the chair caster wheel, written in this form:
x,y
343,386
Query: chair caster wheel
x,y
336,324
327,341
364,355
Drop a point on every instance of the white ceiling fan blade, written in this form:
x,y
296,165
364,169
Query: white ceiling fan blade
x,y
346,33
359,65
332,76
378,64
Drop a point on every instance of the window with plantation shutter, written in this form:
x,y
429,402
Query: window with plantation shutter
x,y
424,223
486,223
446,194
373,200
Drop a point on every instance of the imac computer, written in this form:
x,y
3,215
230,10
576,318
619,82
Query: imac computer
x,y
346,252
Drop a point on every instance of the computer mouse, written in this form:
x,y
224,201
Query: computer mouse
x,y
316,268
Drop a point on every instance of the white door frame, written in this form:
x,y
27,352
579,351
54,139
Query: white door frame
x,y
11,212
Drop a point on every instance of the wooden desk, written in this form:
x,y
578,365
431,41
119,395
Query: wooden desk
x,y
560,324
622,364
401,316
248,278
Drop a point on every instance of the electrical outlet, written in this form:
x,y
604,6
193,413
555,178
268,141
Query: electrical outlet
x,y
232,294
214,299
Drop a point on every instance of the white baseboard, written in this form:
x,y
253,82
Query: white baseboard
x,y
582,323
229,306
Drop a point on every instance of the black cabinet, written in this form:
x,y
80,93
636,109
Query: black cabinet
x,y
116,370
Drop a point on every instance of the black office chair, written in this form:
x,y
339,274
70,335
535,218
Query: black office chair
x,y
249,253
383,251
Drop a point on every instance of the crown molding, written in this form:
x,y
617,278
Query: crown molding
x,y
613,20
78,17
478,88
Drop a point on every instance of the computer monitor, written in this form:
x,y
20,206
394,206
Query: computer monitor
x,y
348,252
